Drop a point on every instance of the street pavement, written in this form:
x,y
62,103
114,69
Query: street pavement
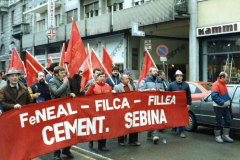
x,y
197,145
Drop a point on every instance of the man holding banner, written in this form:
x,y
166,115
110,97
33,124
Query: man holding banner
x,y
14,94
152,82
114,76
179,85
99,87
125,86
95,73
59,88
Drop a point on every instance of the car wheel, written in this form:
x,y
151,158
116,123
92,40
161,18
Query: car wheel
x,y
192,123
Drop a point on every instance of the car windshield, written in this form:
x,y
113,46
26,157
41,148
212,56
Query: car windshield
x,y
207,86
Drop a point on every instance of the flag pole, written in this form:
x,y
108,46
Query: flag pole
x,y
32,66
89,68
104,67
90,61
151,58
62,53
38,63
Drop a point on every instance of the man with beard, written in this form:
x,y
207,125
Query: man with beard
x,y
114,76
39,91
99,87
75,83
179,85
152,82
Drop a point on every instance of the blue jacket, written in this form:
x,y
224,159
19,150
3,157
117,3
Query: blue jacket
x,y
114,78
219,93
42,89
149,83
175,86
1,106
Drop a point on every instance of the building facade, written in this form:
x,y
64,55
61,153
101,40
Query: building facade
x,y
108,23
218,31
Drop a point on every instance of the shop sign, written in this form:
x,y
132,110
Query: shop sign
x,y
218,29
54,55
51,13
40,57
148,44
135,31
51,34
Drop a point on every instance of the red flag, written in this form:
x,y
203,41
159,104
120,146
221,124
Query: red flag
x,y
96,63
49,63
16,62
107,60
76,53
86,74
33,61
62,59
31,73
147,64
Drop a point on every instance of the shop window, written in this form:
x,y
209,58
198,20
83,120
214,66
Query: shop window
x,y
54,49
70,14
224,45
135,59
41,25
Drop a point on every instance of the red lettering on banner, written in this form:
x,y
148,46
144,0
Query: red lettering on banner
x,y
65,121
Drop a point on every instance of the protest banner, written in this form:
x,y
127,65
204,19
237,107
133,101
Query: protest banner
x,y
41,128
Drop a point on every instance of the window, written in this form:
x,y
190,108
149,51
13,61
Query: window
x,y
120,6
57,19
41,25
3,49
3,65
236,97
209,98
70,14
2,24
194,89
91,9
207,86
12,17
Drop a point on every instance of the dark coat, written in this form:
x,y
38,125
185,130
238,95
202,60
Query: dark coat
x,y
23,80
9,99
58,89
115,79
175,86
75,84
42,89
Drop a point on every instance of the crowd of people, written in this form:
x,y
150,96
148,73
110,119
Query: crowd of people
x,y
14,93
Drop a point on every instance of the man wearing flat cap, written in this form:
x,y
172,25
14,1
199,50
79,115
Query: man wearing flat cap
x,y
14,94
179,85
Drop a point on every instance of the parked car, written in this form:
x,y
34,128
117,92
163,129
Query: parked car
x,y
199,89
201,111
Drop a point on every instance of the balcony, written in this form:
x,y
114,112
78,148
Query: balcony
x,y
40,6
181,6
20,29
3,6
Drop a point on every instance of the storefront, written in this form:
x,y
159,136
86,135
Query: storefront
x,y
219,51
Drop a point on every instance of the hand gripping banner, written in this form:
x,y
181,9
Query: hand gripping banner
x,y
44,127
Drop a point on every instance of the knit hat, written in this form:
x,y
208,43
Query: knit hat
x,y
126,71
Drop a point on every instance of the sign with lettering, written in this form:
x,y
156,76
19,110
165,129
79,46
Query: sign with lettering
x,y
148,44
135,31
51,13
51,125
218,29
